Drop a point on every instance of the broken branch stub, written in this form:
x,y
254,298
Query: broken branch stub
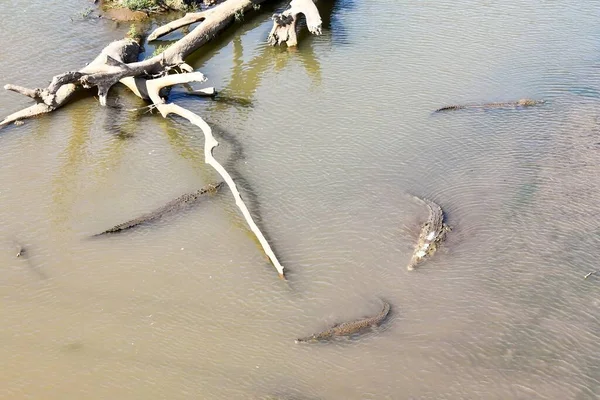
x,y
154,86
284,24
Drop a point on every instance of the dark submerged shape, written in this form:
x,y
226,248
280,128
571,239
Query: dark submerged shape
x,y
349,328
432,233
184,200
522,103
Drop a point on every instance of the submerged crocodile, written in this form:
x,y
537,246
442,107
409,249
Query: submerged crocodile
x,y
522,103
181,201
432,233
349,328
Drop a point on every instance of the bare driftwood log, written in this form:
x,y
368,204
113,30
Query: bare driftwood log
x,y
284,24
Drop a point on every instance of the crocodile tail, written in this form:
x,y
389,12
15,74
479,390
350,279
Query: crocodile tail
x,y
450,108
385,311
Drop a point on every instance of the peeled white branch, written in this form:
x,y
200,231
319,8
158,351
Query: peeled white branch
x,y
154,86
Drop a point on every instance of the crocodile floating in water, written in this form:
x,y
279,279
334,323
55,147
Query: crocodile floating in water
x,y
522,103
349,328
432,233
184,200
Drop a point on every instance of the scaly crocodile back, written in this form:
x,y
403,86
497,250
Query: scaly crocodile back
x,y
181,201
432,232
349,328
517,104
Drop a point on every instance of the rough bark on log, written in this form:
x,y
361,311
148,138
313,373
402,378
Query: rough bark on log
x,y
224,12
59,93
284,24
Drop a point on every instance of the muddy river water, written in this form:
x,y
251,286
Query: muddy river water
x,y
326,143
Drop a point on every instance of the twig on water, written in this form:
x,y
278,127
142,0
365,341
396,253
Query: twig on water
x,y
590,274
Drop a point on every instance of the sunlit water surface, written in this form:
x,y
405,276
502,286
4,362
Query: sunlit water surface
x,y
327,146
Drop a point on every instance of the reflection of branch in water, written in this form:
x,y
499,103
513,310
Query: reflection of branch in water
x,y
218,97
247,77
237,154
120,122
121,125
65,182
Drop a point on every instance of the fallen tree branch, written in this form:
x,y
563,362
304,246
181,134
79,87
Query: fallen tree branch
x,y
33,93
154,87
187,19
59,92
284,24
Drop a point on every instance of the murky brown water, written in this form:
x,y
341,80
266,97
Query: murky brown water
x,y
336,135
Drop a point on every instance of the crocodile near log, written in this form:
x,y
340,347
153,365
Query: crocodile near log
x,y
180,202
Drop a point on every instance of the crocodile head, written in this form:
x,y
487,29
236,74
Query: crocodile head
x,y
529,102
308,339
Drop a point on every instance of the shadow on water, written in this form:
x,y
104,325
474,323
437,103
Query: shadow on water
x,y
73,156
333,23
247,77
22,251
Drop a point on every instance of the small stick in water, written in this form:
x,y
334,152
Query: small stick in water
x,y
21,251
590,274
